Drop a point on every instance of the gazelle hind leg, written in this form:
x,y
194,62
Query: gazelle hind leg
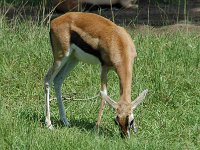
x,y
53,71
47,105
70,64
47,83
59,46
104,79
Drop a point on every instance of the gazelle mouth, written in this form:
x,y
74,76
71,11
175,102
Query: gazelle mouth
x,y
123,135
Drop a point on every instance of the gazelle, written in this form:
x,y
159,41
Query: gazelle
x,y
93,39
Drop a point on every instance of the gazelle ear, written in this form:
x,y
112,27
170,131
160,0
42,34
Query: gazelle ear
x,y
139,99
111,102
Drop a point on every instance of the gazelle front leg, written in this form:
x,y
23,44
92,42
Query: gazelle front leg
x,y
104,72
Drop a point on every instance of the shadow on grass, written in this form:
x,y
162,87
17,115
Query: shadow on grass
x,y
83,124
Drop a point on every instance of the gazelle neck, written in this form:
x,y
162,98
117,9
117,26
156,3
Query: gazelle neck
x,y
125,84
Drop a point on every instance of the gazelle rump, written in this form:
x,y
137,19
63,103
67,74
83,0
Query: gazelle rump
x,y
90,38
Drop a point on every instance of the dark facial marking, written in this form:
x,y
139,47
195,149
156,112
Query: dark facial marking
x,y
131,124
123,124
127,121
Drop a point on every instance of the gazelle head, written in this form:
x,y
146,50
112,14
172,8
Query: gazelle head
x,y
124,112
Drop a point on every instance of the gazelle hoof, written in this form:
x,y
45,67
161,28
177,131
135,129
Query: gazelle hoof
x,y
96,129
65,122
50,127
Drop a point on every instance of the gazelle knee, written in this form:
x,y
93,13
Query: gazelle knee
x,y
46,86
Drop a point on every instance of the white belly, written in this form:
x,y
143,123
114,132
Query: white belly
x,y
83,56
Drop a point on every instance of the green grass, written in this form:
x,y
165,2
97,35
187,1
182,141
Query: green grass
x,y
168,64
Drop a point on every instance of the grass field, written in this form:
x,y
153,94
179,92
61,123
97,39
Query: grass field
x,y
168,64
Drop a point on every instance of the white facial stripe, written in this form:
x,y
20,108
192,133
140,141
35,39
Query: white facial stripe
x,y
128,134
131,117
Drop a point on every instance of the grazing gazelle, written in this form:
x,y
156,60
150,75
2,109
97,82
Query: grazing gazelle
x,y
93,39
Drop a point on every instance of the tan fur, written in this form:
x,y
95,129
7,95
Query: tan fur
x,y
115,43
93,41
112,42
124,109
